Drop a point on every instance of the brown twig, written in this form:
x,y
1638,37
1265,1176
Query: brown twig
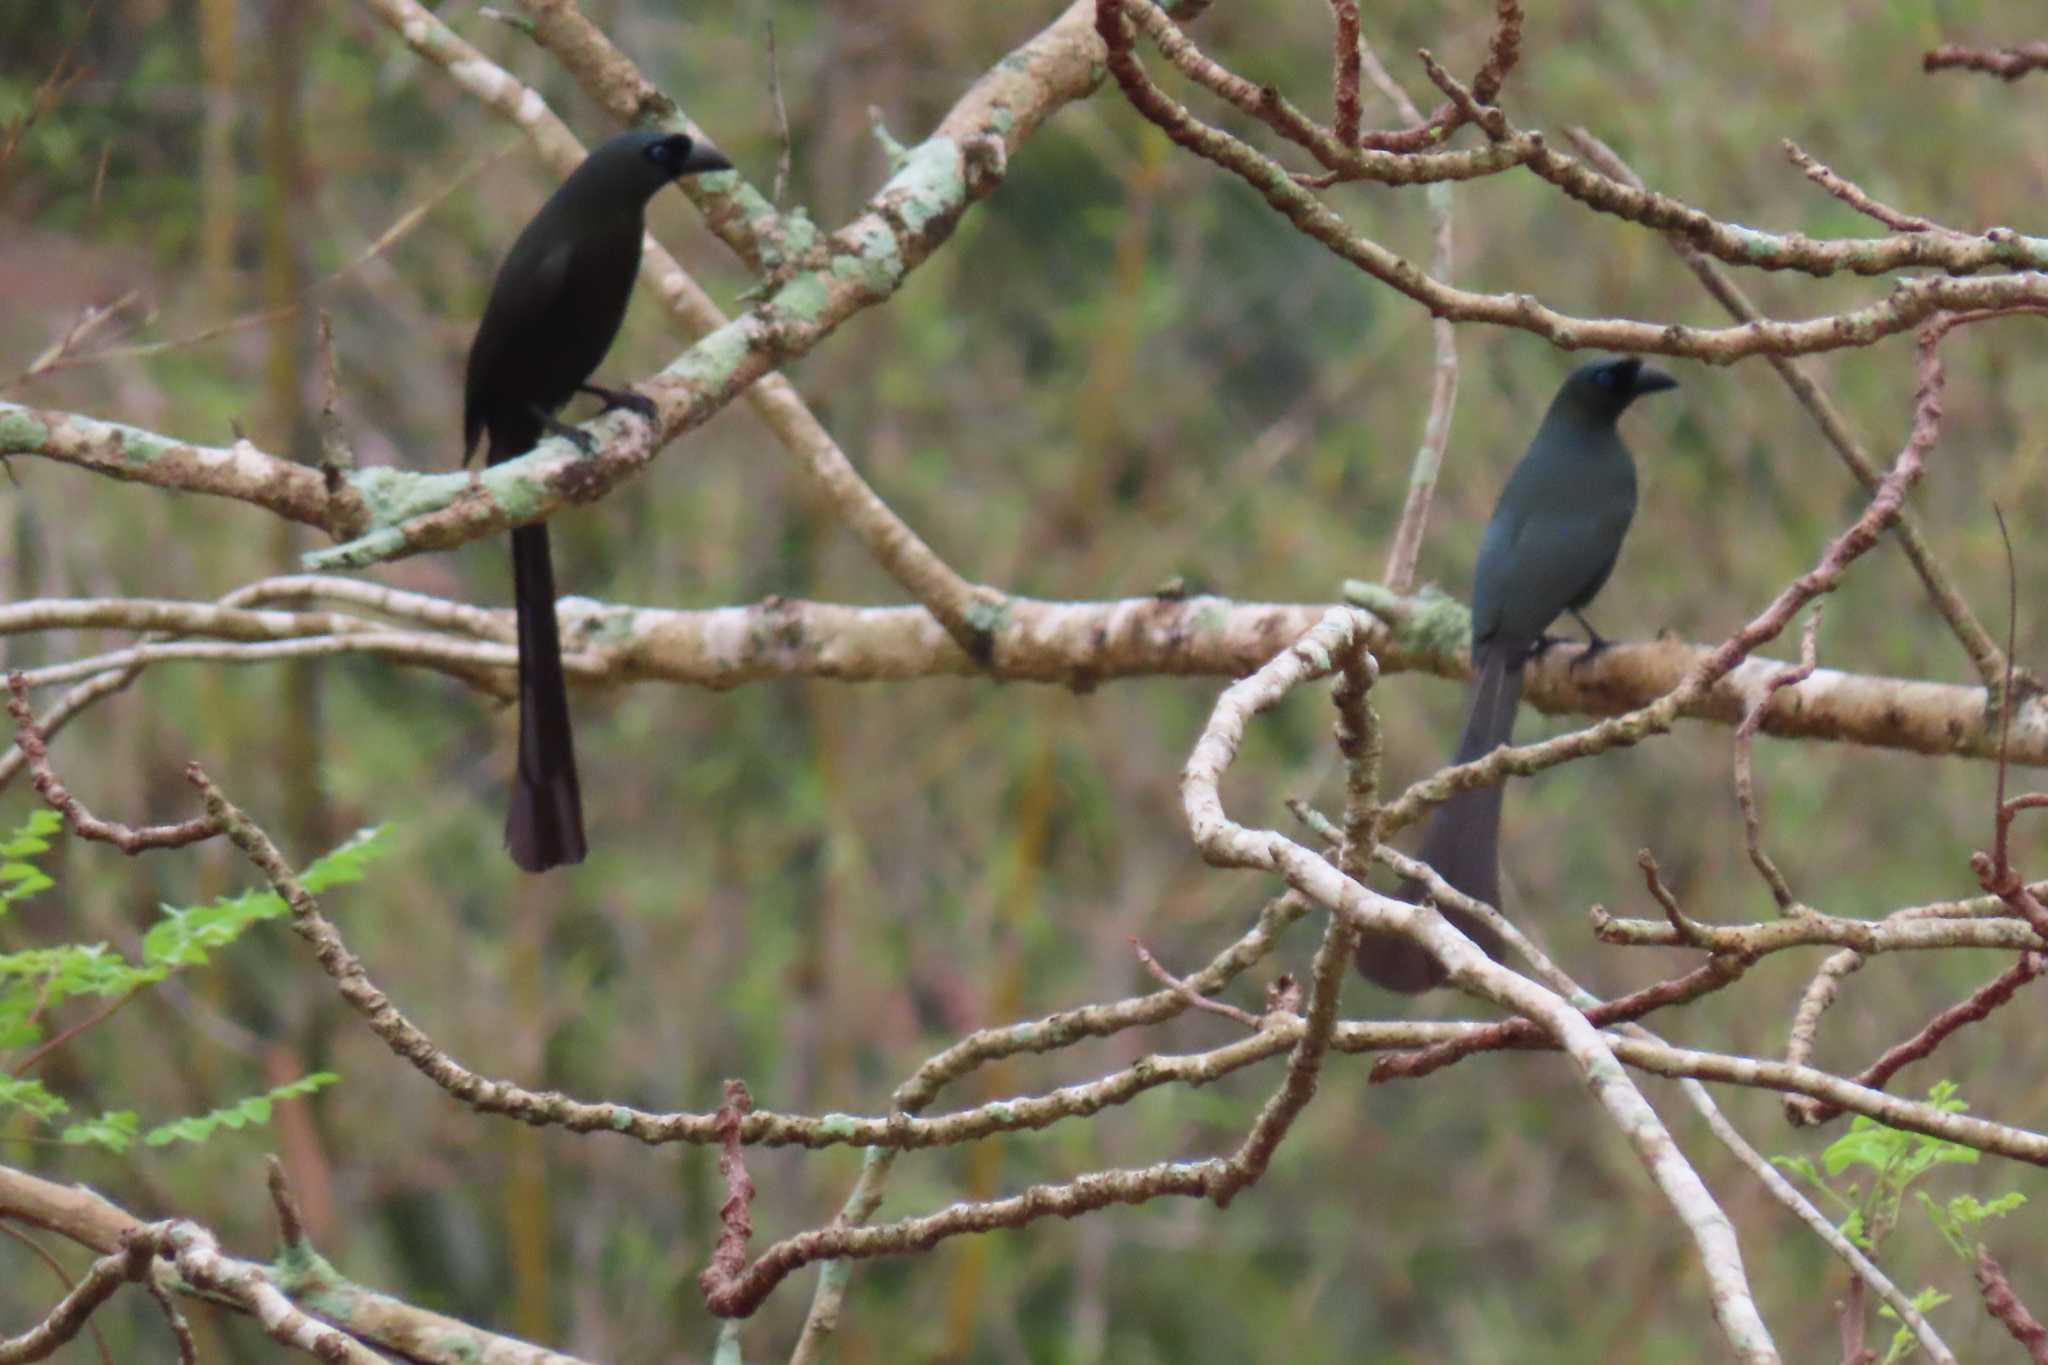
x,y
174,1320
1344,79
1973,1010
83,822
64,1278
1722,969
735,1217
91,1021
2006,63
1853,195
1357,734
1188,993
63,1322
336,458
2005,1306
1406,547
291,1223
1995,872
784,154
63,356
1745,768
1653,879
48,94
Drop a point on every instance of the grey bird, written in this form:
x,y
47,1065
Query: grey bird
x,y
1549,548
553,312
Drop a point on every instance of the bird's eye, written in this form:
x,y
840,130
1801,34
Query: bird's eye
x,y
670,151
1604,378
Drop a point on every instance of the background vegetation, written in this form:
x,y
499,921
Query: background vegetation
x,y
1123,370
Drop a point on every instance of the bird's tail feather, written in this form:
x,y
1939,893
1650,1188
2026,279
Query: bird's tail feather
x,y
544,827
1462,839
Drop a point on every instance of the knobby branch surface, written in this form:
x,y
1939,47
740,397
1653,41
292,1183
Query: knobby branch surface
x,y
1911,302
1072,644
2006,63
300,1282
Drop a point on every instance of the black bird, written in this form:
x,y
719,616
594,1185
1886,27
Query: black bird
x,y
1554,537
554,310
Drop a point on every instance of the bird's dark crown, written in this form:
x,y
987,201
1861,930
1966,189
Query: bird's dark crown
x,y
1611,385
648,159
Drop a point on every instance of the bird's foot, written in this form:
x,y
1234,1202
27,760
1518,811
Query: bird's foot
x,y
1596,643
575,436
1595,647
637,403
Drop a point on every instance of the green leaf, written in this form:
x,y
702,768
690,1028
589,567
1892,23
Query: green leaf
x,y
1799,1166
1867,1143
36,980
255,1109
18,1093
31,836
19,878
350,861
113,1131
186,938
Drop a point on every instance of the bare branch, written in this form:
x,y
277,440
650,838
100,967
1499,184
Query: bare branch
x,y
1853,195
2005,1306
1975,1009
1745,774
2006,63
82,822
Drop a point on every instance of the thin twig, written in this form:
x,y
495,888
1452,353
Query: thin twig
x,y
129,839
1984,654
1745,767
2006,63
784,157
1187,993
64,1278
1854,195
1974,1009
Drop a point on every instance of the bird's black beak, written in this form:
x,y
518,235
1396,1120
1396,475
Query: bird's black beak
x,y
1649,380
703,158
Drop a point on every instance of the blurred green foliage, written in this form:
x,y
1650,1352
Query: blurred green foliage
x,y
35,983
1122,369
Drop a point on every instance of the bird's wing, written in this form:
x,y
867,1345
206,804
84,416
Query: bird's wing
x,y
1562,555
512,312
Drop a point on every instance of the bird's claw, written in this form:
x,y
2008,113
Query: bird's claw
x,y
637,403
1595,647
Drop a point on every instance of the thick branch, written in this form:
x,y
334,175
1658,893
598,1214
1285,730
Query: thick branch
x,y
1071,644
406,1331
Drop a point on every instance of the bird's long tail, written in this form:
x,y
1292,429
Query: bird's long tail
x,y
544,827
1462,839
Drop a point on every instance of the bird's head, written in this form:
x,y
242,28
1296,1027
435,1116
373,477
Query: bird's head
x,y
1607,387
649,159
